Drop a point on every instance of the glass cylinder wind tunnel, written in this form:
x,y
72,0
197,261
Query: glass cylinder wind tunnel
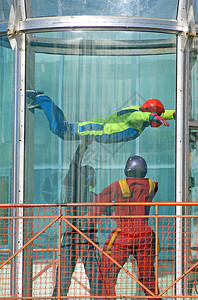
x,y
99,149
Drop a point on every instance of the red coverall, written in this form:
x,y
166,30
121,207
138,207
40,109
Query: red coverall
x,y
135,235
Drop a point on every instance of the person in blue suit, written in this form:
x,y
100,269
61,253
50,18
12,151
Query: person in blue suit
x,y
124,125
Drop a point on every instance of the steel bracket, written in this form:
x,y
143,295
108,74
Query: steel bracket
x,y
13,32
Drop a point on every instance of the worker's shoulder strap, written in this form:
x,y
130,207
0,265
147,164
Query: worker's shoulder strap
x,y
124,188
151,186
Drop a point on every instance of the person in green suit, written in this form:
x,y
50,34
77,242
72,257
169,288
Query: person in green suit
x,y
124,125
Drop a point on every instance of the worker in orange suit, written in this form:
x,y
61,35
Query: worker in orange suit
x,y
133,236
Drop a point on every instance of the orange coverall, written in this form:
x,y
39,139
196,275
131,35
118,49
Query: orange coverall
x,y
133,235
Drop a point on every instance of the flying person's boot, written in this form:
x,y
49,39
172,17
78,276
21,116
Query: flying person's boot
x,y
55,116
31,95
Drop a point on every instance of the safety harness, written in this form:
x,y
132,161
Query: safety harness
x,y
124,188
126,193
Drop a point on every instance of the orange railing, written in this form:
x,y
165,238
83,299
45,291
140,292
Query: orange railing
x,y
53,251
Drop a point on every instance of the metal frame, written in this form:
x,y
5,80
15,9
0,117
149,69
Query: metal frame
x,y
179,161
182,27
19,157
101,23
108,47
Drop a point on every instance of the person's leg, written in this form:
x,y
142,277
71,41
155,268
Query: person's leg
x,y
108,269
145,256
54,114
68,263
57,121
91,263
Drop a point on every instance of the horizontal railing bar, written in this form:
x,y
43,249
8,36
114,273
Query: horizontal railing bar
x,y
102,297
100,217
6,205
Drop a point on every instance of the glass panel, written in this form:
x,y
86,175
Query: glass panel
x,y
193,147
193,164
148,8
193,197
5,9
89,76
95,86
195,9
6,69
194,83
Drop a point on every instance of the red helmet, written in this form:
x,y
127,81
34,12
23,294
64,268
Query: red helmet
x,y
153,105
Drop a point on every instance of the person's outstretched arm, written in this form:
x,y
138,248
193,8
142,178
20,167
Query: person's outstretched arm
x,y
169,115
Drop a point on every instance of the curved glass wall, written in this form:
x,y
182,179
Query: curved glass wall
x,y
193,114
89,76
93,75
193,152
148,8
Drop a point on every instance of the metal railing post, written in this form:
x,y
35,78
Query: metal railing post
x,y
59,254
156,249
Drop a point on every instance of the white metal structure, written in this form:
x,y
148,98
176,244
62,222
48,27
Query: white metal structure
x,y
183,26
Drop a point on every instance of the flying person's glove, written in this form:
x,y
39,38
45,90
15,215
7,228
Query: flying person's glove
x,y
156,120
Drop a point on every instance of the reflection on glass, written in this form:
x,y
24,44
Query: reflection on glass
x,y
193,164
6,66
195,9
5,10
194,85
192,197
148,8
5,109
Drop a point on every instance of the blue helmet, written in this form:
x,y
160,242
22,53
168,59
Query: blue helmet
x,y
136,166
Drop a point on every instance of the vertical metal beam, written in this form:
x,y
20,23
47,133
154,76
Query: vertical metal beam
x,y
14,167
180,144
23,10
156,247
181,9
21,156
18,161
187,210
60,144
185,15
29,176
187,101
179,185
